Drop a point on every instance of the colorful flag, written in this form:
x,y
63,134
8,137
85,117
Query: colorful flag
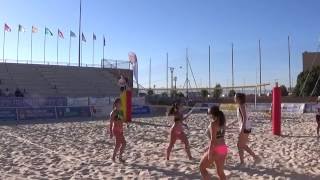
x,y
83,38
72,34
21,28
94,37
134,61
34,29
60,34
47,31
7,27
104,41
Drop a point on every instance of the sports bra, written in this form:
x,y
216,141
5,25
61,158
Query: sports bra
x,y
118,115
220,133
178,117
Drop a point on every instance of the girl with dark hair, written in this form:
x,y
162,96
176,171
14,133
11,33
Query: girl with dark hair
x,y
176,131
116,129
244,128
218,150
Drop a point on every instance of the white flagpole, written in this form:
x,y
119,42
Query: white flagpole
x,y
18,46
69,48
44,49
4,41
93,53
58,48
31,46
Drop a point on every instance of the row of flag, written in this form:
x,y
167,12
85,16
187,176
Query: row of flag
x,y
47,31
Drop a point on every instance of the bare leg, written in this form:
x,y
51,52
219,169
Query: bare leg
x,y
318,128
123,146
219,160
204,164
240,145
116,148
173,139
184,139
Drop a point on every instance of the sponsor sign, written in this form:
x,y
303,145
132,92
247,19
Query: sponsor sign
x,y
36,113
8,114
140,110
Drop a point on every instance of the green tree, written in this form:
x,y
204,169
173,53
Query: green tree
x,y
150,92
284,90
204,93
305,86
180,94
164,94
232,93
217,91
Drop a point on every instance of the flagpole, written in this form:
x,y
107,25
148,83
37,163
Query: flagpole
x,y
81,53
103,44
93,54
44,48
18,46
58,48
80,48
289,56
260,68
69,48
232,67
31,46
4,41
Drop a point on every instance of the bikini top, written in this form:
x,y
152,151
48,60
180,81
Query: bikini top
x,y
178,117
118,115
221,133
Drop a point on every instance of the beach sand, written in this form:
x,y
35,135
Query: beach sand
x,y
82,150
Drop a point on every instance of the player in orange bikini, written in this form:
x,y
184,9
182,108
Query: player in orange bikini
x,y
176,131
116,129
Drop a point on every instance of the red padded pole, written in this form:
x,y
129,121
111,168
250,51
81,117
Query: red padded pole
x,y
276,110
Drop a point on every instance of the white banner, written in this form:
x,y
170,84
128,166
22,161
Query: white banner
x,y
105,101
292,107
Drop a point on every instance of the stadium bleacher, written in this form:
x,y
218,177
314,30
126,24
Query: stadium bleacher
x,y
61,81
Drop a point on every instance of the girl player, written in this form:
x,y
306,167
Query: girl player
x,y
176,131
116,129
244,128
217,150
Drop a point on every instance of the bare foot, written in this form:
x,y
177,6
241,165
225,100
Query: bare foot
x,y
113,159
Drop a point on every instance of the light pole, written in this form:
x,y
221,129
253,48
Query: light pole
x,y
171,71
175,82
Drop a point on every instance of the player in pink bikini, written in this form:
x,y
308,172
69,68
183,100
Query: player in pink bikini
x,y
116,129
218,150
176,131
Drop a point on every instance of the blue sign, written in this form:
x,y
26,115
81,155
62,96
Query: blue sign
x,y
8,114
69,112
139,110
36,113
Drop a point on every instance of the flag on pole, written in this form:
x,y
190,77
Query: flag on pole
x,y
104,41
21,28
47,31
72,34
83,38
60,34
34,29
94,37
134,61
7,27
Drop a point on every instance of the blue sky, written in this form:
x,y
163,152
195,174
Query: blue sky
x,y
151,28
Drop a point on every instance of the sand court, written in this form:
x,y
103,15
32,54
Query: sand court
x,y
82,150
